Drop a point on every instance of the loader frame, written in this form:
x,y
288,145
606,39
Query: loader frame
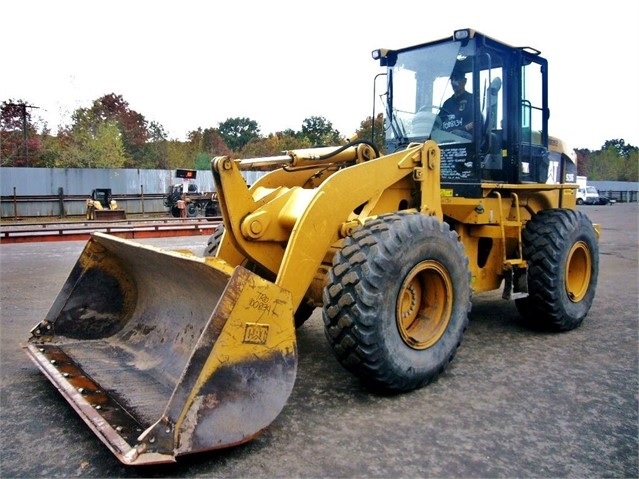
x,y
392,245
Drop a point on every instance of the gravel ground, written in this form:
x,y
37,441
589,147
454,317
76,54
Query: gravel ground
x,y
514,403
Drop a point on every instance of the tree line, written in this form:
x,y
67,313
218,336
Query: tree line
x,y
109,134
615,161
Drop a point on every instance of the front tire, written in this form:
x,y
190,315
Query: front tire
x,y
213,243
397,300
562,252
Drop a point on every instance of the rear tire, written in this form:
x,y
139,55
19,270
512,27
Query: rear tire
x,y
562,252
191,210
397,300
211,210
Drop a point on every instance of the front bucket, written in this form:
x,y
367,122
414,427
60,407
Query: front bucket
x,y
164,353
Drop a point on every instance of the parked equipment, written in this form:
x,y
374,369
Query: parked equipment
x,y
101,205
390,246
204,203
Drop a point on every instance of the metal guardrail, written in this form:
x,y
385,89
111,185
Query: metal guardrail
x,y
130,229
34,206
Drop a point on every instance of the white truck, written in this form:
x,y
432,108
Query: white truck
x,y
587,195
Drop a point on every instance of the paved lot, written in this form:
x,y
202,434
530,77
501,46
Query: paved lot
x,y
514,403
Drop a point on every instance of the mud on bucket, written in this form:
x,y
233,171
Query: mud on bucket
x,y
165,353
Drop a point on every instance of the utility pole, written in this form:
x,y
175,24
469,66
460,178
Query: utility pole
x,y
23,110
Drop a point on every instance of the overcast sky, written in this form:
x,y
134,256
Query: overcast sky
x,y
191,64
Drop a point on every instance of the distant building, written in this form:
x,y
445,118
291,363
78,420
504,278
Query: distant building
x,y
622,191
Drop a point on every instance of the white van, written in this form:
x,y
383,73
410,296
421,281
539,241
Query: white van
x,y
587,195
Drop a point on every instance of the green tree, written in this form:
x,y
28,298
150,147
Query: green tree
x,y
179,154
144,143
631,166
108,149
320,131
620,147
156,155
237,132
132,125
97,147
604,165
616,161
274,144
194,147
49,153
365,131
202,161
627,161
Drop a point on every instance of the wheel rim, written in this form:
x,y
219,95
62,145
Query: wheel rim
x,y
578,271
425,304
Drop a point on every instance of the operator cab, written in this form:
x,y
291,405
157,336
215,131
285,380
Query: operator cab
x,y
102,196
507,140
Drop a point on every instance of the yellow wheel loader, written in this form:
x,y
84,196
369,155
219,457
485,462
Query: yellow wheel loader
x,y
464,200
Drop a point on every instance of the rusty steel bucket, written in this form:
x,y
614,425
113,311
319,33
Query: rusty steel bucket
x,y
164,353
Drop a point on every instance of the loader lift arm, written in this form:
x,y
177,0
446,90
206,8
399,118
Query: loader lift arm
x,y
288,230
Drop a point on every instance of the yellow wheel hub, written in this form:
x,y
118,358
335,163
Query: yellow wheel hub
x,y
424,305
578,271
